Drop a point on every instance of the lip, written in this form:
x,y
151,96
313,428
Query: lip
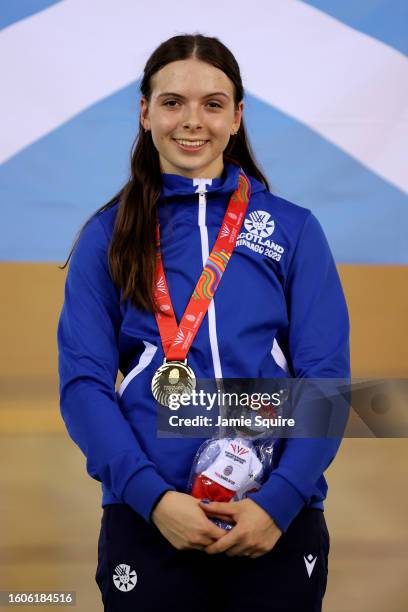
x,y
191,149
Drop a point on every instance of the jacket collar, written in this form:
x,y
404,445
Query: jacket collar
x,y
177,185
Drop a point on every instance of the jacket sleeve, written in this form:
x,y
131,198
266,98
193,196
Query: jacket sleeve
x,y
88,332
318,344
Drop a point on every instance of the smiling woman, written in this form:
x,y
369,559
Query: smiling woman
x,y
191,127
191,90
142,295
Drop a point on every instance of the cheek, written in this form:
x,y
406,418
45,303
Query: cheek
x,y
220,127
162,125
168,123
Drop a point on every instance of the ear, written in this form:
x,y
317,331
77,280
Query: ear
x,y
237,117
144,113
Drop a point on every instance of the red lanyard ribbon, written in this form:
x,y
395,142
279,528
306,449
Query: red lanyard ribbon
x,y
177,339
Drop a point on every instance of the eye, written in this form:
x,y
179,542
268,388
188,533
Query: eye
x,y
172,103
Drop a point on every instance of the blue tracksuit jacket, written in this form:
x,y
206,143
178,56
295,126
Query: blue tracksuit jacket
x,y
279,312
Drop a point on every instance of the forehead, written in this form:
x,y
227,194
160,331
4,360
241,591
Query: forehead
x,y
190,77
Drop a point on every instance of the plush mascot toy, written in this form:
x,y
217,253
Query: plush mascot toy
x,y
226,470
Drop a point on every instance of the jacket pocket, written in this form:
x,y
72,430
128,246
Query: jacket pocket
x,y
144,361
280,359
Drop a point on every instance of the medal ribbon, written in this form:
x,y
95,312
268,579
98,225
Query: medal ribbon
x,y
177,339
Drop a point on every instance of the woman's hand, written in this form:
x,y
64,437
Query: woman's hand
x,y
254,533
183,523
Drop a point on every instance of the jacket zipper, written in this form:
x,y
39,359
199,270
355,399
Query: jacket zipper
x,y
212,322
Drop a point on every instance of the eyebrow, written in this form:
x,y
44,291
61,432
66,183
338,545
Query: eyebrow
x,y
170,93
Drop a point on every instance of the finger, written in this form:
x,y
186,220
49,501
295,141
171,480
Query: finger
x,y
218,506
255,555
223,517
236,551
213,513
203,544
228,508
224,543
215,532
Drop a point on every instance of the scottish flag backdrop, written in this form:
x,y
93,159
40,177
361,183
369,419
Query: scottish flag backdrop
x,y
326,107
327,110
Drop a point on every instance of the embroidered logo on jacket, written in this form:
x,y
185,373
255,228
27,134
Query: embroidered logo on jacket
x,y
260,223
259,226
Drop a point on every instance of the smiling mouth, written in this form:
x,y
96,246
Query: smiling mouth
x,y
190,144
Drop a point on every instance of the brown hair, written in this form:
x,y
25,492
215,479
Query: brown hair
x,y
132,249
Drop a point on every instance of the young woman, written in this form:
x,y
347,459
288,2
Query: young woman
x,y
278,311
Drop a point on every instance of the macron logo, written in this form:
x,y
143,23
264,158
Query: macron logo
x,y
310,563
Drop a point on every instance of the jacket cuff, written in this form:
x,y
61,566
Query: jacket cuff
x,y
143,490
155,504
279,499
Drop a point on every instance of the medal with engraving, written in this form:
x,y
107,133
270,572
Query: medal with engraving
x,y
172,378
175,376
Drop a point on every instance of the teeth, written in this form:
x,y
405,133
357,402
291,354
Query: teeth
x,y
191,143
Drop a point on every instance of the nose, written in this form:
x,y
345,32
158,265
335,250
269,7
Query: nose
x,y
192,118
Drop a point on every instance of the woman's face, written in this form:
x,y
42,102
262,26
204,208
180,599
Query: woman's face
x,y
191,116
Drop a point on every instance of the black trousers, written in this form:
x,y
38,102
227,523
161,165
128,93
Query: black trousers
x,y
140,571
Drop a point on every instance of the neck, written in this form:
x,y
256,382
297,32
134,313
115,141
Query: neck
x,y
213,170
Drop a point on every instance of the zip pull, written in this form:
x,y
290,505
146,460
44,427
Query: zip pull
x,y
202,205
202,198
201,184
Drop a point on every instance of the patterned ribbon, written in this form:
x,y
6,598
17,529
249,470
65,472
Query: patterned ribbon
x,y
177,339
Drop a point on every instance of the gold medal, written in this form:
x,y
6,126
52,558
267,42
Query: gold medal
x,y
173,378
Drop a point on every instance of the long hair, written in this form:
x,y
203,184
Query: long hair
x,y
132,249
